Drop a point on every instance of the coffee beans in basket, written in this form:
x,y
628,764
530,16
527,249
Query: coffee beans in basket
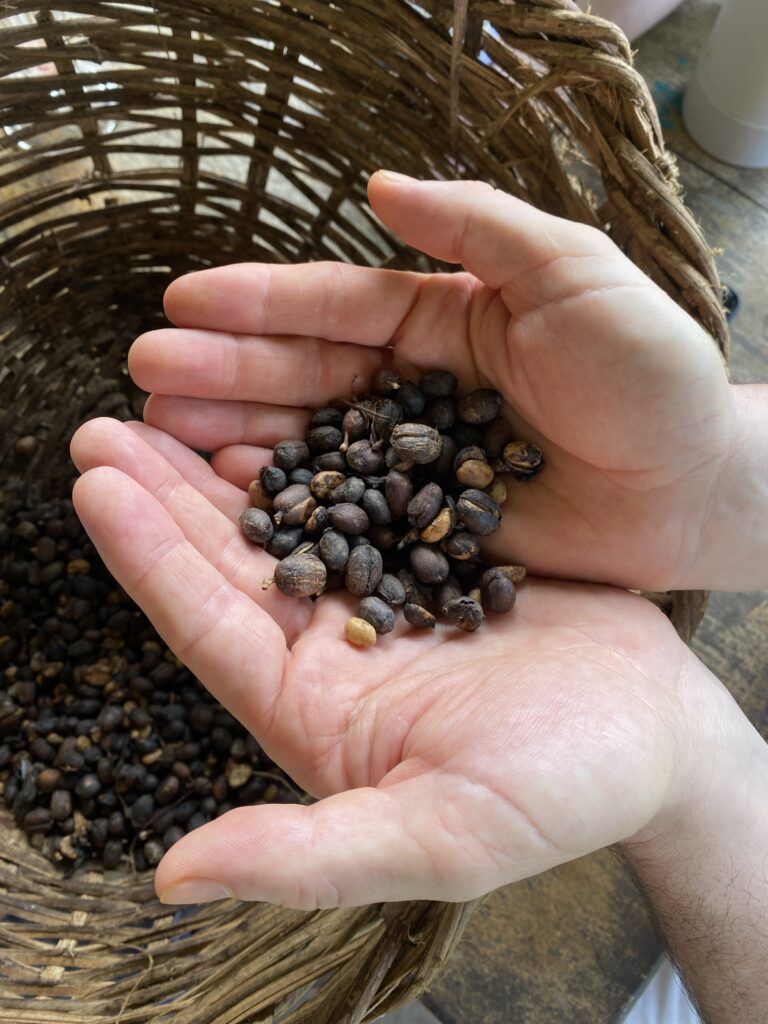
x,y
110,750
389,495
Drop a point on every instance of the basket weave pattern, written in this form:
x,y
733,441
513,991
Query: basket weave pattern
x,y
143,140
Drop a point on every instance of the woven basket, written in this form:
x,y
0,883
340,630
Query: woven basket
x,y
146,139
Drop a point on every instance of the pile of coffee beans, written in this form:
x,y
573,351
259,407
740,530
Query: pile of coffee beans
x,y
388,496
110,750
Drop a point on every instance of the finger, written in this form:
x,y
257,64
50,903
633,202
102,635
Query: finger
x,y
208,364
105,442
230,644
500,239
240,463
332,300
208,425
359,847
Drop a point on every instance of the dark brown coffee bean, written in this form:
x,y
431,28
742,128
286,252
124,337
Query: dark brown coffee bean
x,y
378,613
376,507
357,541
363,458
441,414
355,426
88,786
478,512
429,564
443,467
438,383
387,381
116,823
521,459
37,820
412,401
382,537
324,439
498,591
256,525
330,460
391,590
154,851
350,490
399,491
259,496
325,417
41,749
287,455
273,479
364,570
168,789
448,590
99,832
301,575
142,809
416,592
172,835
461,545
384,414
416,443
464,435
425,505
515,573
293,506
480,406
418,616
324,483
334,550
285,541
300,475
464,612
45,550
349,518
391,458
497,490
61,804
113,853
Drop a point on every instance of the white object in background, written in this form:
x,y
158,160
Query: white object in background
x,y
726,104
663,1000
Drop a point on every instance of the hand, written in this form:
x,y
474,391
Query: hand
x,y
625,394
447,763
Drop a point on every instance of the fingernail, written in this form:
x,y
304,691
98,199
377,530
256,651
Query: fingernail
x,y
394,175
196,890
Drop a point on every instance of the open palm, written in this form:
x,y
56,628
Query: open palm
x,y
448,763
625,394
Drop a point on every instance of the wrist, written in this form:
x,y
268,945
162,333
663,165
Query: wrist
x,y
720,781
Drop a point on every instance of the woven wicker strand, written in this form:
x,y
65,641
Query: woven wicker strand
x,y
169,135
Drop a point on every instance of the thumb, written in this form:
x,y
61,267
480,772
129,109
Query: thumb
x,y
359,847
498,238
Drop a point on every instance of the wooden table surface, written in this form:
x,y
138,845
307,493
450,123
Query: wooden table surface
x,y
572,946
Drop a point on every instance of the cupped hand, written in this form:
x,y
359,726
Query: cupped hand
x,y
446,763
625,394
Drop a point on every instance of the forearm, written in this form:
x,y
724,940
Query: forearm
x,y
733,549
703,865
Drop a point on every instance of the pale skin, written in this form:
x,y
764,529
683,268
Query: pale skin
x,y
446,764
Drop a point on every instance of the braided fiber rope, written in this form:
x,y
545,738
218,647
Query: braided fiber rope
x,y
145,139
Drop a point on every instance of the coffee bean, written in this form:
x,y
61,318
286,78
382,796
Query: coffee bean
x,y
478,512
416,443
464,612
441,414
359,632
412,401
398,490
334,550
154,851
326,417
293,506
300,475
285,541
325,482
425,505
378,613
113,853
391,590
350,490
318,521
498,591
363,458
259,496
418,616
287,455
273,479
363,571
61,804
48,780
376,507
429,564
256,525
301,575
354,426
521,459
324,439
167,790
172,835
330,460
440,526
88,786
349,518
480,406
438,383
387,381
142,810
461,545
